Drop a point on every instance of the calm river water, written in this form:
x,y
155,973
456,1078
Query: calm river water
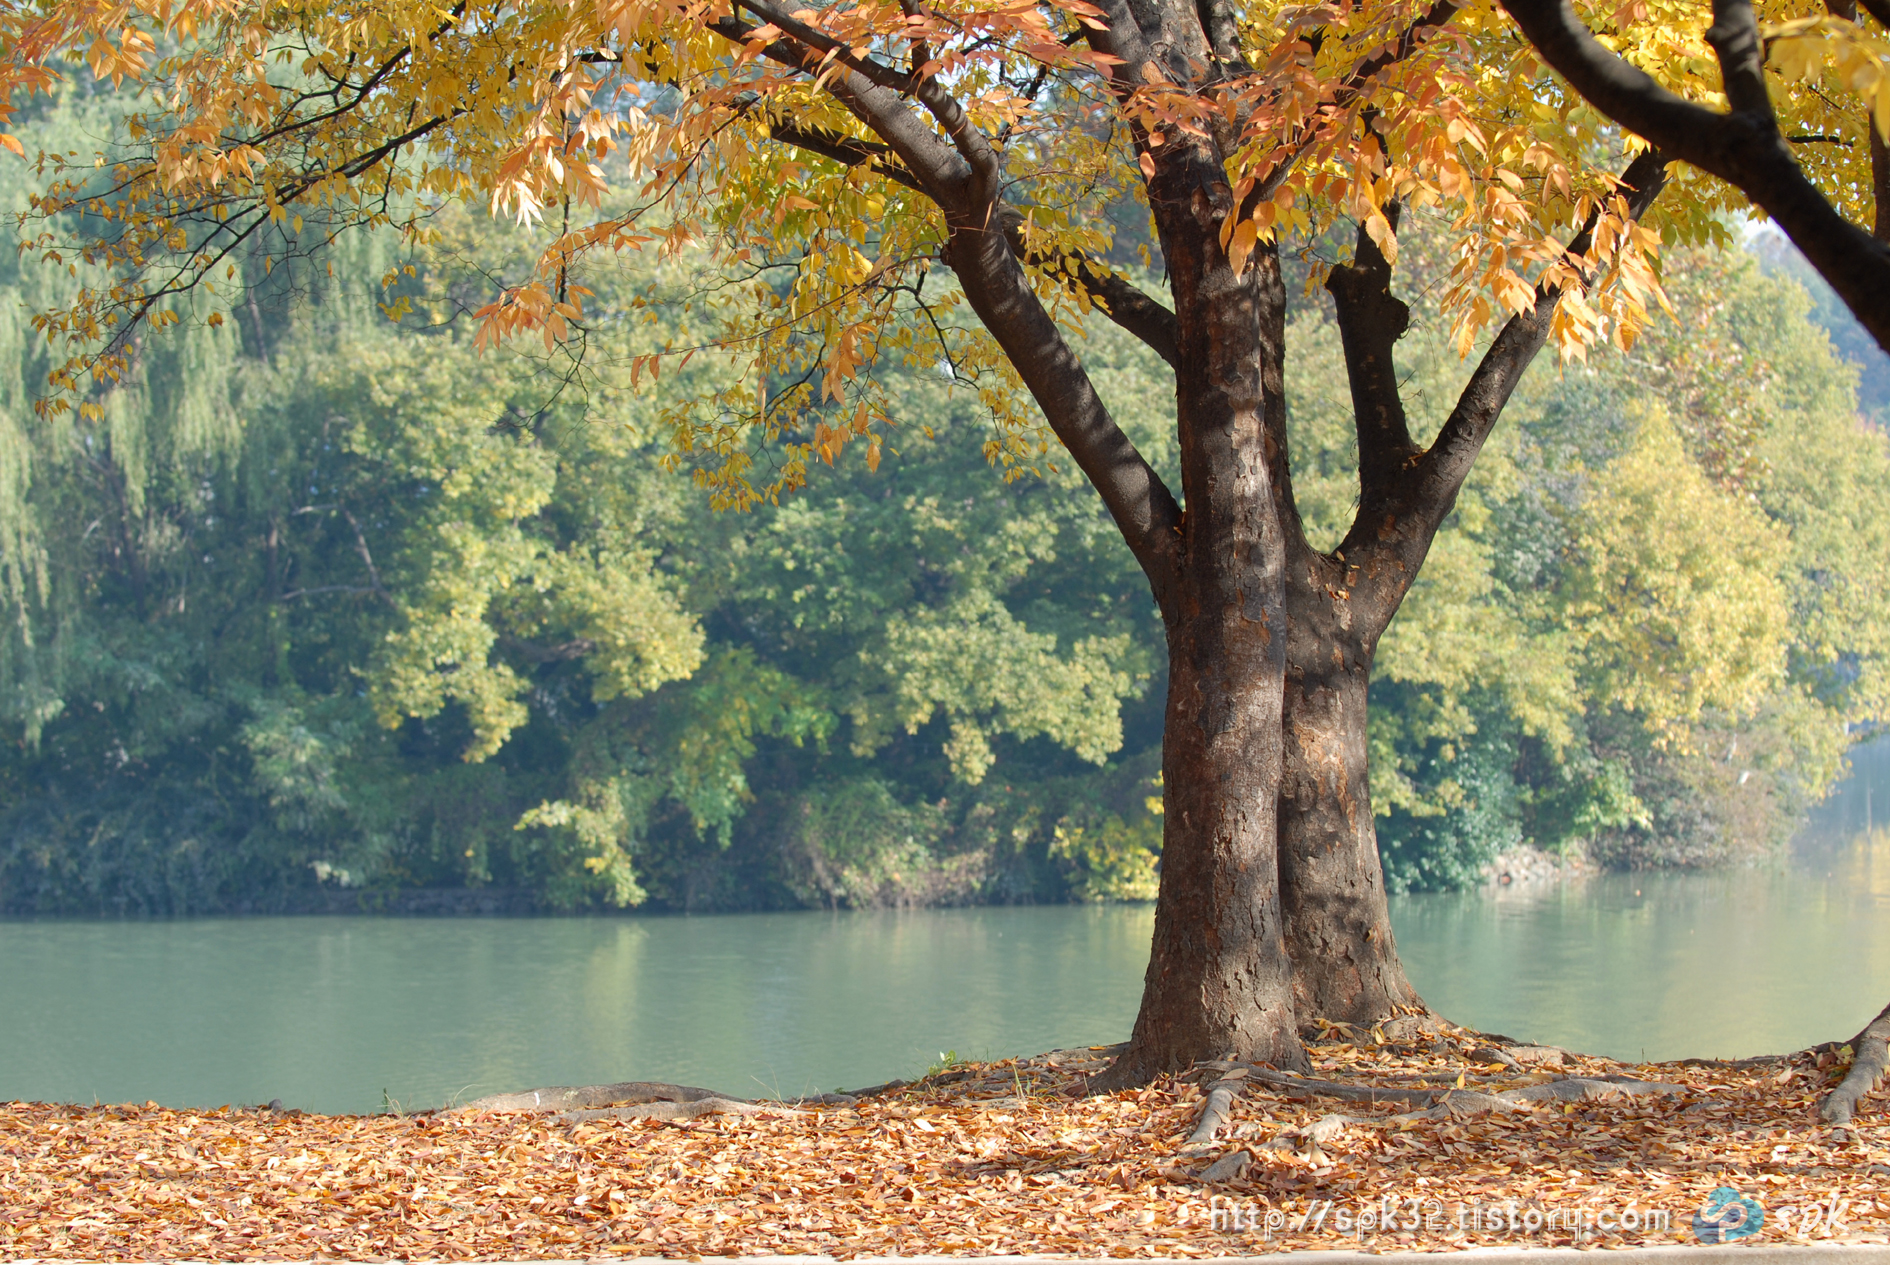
x,y
341,1014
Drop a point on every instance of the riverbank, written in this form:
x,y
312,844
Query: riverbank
x,y
991,1158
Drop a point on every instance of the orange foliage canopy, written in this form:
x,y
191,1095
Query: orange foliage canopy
x,y
803,152
782,145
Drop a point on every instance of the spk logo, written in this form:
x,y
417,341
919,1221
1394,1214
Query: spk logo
x,y
1728,1215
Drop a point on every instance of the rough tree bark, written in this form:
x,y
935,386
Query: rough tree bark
x,y
1218,973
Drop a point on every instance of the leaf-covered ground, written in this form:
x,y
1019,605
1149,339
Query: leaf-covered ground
x,y
988,1158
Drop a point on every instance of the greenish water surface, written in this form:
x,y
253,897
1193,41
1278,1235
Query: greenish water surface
x,y
330,1013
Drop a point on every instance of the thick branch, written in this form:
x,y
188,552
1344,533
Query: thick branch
x,y
1131,309
1220,22
1742,148
848,151
1406,498
818,40
942,173
1145,511
1626,94
1734,36
973,145
1371,320
1122,302
962,180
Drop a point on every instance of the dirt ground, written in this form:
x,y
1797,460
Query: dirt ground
x,y
993,1158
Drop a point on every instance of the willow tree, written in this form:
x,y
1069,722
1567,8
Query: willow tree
x,y
830,164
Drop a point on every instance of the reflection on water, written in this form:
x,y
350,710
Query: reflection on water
x,y
1862,866
1664,965
330,1013
1858,805
327,1013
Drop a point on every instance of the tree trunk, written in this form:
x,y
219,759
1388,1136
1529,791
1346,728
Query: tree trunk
x,y
1218,978
1332,889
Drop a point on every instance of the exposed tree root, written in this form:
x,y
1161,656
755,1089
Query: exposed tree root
x,y
585,1097
1741,1064
655,1100
1306,1088
1452,1099
1562,1089
630,1100
1220,1101
673,1111
1869,1061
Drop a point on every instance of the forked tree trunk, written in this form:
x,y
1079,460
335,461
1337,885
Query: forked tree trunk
x,y
1264,748
1332,889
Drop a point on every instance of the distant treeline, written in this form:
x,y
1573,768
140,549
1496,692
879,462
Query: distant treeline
x,y
325,609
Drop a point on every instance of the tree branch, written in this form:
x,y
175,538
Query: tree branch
x,y
1220,22
1734,36
973,145
1131,309
848,151
874,72
1144,510
1742,148
1122,301
1119,299
1403,504
963,180
1372,320
942,173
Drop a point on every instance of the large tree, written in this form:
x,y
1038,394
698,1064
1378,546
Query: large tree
x,y
827,161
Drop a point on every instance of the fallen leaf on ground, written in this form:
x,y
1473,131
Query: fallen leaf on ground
x,y
989,1159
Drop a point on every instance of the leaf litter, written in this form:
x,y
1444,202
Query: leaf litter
x,y
991,1158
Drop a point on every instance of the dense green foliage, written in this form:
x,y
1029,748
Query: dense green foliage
x,y
327,608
